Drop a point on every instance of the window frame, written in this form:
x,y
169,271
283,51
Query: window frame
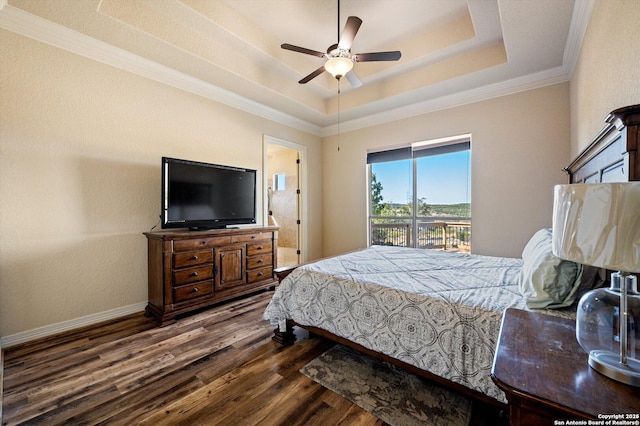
x,y
414,151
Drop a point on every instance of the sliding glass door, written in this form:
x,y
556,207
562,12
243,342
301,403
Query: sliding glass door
x,y
421,197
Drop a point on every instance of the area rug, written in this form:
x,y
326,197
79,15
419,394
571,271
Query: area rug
x,y
393,395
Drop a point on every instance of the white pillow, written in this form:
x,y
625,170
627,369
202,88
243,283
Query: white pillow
x,y
547,281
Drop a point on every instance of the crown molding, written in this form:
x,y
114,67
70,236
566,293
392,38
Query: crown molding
x,y
45,31
504,88
579,22
577,29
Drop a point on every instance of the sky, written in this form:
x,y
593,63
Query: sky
x,y
442,179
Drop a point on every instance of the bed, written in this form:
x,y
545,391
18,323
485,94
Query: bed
x,y
438,313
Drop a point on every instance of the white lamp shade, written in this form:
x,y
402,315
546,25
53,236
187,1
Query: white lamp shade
x,y
598,225
338,66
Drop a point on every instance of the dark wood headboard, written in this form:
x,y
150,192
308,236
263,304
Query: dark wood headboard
x,y
613,155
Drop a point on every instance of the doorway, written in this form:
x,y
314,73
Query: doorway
x,y
283,183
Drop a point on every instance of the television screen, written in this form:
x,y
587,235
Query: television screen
x,y
206,196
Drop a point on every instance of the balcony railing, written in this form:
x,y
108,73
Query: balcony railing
x,y
452,233
391,234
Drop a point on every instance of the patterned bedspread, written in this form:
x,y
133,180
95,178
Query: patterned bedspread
x,y
438,311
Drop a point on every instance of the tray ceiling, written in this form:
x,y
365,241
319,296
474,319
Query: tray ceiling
x,y
453,51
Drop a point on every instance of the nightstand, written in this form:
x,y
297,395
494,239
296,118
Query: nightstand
x,y
546,377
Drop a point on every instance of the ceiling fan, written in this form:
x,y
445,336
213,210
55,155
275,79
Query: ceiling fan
x,y
339,59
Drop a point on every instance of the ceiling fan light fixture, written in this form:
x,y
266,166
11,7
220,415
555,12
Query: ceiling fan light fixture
x,y
339,59
338,66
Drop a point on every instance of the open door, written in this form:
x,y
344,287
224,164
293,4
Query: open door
x,y
284,195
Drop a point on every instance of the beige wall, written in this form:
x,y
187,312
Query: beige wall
x,y
80,149
607,74
519,145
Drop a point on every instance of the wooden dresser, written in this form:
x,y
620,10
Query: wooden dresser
x,y
189,270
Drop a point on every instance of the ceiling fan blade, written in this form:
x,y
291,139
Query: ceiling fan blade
x,y
349,32
291,47
377,56
312,75
354,80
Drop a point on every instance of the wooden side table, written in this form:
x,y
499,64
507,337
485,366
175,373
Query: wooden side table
x,y
546,376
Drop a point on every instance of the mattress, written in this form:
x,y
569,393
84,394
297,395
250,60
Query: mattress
x,y
439,311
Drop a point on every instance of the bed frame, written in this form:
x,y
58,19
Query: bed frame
x,y
611,157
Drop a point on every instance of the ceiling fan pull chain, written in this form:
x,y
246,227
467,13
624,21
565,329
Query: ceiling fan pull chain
x,y
338,113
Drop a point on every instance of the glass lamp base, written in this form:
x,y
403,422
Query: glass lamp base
x,y
608,364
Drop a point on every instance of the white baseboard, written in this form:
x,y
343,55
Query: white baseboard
x,y
60,327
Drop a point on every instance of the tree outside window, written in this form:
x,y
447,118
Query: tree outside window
x,y
421,201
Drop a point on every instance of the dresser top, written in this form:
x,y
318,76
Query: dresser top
x,y
170,234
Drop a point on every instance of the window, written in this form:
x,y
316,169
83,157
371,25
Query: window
x,y
420,195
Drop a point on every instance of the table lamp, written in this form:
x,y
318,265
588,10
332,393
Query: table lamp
x,y
599,225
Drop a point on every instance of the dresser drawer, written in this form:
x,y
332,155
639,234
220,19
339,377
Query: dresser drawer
x,y
192,258
263,247
248,238
188,292
259,275
190,275
196,243
189,270
259,261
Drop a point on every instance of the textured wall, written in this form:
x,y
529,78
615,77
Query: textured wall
x,y
607,75
80,149
519,145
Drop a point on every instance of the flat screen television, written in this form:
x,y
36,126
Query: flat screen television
x,y
199,195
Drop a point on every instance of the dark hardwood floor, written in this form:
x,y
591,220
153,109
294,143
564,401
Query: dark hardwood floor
x,y
218,366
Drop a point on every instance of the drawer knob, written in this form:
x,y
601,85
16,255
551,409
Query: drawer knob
x,y
260,247
260,261
204,243
253,237
195,289
194,257
260,274
195,274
